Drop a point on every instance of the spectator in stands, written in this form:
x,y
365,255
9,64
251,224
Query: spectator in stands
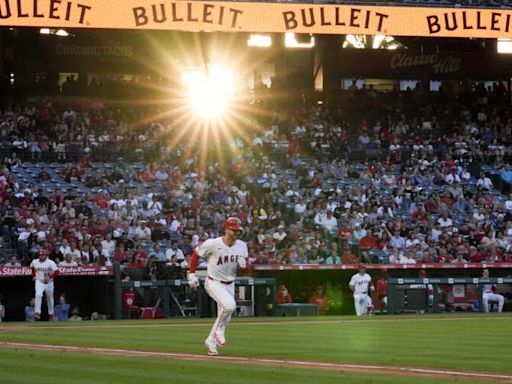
x,y
68,261
120,254
61,310
158,253
142,232
13,262
314,256
347,257
484,181
175,251
332,256
506,176
280,234
397,241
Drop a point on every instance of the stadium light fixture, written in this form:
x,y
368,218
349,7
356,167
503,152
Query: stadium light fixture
x,y
263,41
209,92
57,32
504,45
62,32
290,41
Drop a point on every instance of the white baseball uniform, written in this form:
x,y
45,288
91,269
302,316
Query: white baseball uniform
x,y
489,295
44,272
361,285
223,262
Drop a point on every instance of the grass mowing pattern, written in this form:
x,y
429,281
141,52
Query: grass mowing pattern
x,y
463,344
36,367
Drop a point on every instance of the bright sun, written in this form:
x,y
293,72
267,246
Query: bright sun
x,y
209,92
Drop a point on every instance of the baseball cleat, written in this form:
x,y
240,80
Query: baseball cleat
x,y
211,345
51,318
219,339
37,316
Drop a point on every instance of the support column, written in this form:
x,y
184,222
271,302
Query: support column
x,y
326,65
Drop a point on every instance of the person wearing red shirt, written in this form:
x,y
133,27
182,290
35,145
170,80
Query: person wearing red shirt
x,y
420,214
319,299
348,257
345,233
120,255
101,200
370,241
283,296
382,290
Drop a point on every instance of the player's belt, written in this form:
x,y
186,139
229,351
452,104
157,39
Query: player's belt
x,y
221,281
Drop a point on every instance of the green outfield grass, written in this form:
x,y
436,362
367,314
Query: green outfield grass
x,y
476,342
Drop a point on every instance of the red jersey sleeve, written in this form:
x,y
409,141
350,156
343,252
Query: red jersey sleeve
x,y
193,262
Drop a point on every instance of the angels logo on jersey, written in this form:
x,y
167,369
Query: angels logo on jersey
x,y
228,259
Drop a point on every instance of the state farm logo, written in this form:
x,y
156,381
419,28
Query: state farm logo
x,y
15,271
448,64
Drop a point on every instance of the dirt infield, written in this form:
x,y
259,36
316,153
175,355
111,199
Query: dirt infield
x,y
367,369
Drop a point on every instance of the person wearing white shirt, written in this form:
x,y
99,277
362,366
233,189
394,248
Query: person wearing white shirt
x,y
154,206
330,223
488,294
108,244
142,232
68,261
451,178
508,203
361,284
320,218
175,251
280,234
484,182
300,207
64,249
407,258
445,221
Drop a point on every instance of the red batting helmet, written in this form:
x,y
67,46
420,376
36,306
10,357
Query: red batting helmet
x,y
233,223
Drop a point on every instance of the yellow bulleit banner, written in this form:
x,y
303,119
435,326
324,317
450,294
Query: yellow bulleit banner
x,y
257,17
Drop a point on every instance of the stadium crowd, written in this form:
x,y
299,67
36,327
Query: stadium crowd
x,y
398,177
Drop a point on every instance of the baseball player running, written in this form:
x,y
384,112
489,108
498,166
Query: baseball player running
x,y
224,255
360,284
43,272
489,295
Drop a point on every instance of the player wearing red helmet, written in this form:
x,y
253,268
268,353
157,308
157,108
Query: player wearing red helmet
x,y
224,255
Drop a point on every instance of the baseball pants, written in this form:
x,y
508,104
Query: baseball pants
x,y
361,303
486,297
40,289
224,296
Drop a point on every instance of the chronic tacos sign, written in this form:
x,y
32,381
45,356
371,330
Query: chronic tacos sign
x,y
257,17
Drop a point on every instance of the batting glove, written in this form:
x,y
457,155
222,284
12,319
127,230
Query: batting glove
x,y
193,281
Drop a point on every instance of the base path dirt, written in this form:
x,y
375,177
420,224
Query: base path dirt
x,y
367,369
